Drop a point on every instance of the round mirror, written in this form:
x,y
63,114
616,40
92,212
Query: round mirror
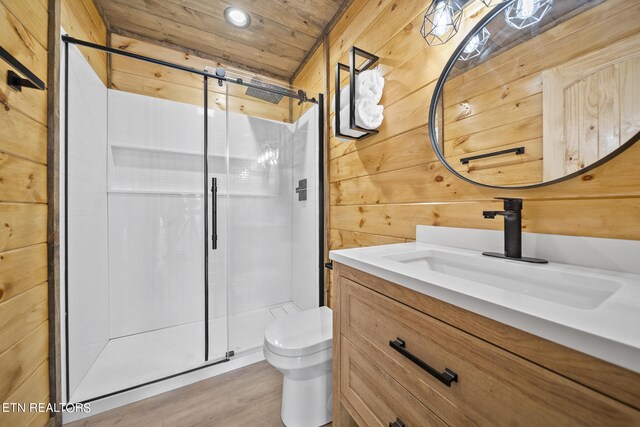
x,y
539,91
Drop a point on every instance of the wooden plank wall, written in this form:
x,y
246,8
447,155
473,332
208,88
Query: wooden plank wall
x,y
311,78
383,186
23,215
82,20
24,330
148,79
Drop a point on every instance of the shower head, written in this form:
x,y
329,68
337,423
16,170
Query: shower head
x,y
266,95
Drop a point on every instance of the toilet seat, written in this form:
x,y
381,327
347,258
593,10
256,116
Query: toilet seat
x,y
300,334
300,347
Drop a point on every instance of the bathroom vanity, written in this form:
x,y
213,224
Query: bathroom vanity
x,y
420,342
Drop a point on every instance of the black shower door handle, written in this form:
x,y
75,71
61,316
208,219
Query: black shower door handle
x,y
214,213
446,377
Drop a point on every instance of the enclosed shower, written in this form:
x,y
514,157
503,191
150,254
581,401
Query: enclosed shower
x,y
190,221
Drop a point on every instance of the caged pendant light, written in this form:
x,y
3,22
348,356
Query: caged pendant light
x,y
441,21
475,45
524,13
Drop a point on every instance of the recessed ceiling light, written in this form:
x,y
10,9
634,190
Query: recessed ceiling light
x,y
237,17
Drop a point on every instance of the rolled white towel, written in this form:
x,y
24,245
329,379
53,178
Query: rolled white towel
x,y
368,113
369,85
368,116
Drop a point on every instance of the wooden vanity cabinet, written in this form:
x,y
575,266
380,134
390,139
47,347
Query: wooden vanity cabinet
x,y
403,358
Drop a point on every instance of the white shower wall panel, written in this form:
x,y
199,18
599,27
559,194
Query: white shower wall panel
x,y
305,221
155,144
154,122
87,235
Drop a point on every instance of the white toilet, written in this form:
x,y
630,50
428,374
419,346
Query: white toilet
x,y
300,347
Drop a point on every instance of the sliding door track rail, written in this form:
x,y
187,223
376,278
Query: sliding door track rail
x,y
219,75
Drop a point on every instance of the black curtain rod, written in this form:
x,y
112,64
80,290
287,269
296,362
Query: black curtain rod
x,y
301,95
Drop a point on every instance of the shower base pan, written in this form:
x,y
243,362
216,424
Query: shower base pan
x,y
133,360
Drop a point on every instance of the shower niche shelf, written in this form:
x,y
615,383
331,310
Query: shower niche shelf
x,y
187,193
167,171
172,151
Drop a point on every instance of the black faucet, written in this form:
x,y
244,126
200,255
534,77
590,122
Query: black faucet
x,y
512,214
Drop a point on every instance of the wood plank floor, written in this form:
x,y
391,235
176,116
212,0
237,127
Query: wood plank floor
x,y
249,396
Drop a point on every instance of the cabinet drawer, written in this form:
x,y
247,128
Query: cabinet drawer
x,y
376,396
493,387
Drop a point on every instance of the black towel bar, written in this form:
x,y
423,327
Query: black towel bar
x,y
517,150
14,80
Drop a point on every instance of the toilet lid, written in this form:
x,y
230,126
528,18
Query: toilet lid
x,y
300,334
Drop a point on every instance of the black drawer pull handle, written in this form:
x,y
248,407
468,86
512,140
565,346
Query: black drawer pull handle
x,y
446,377
396,423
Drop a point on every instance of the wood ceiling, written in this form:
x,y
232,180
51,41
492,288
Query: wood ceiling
x,y
281,34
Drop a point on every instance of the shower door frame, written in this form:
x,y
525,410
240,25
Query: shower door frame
x,y
220,76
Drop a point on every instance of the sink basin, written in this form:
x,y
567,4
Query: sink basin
x,y
586,298
574,289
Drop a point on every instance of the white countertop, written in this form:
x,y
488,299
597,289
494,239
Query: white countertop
x,y
608,331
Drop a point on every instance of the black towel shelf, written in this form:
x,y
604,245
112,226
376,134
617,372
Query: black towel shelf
x,y
14,80
517,150
371,60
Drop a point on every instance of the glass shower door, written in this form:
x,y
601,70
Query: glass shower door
x,y
217,178
259,203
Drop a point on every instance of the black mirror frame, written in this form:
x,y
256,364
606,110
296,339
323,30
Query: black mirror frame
x,y
437,94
